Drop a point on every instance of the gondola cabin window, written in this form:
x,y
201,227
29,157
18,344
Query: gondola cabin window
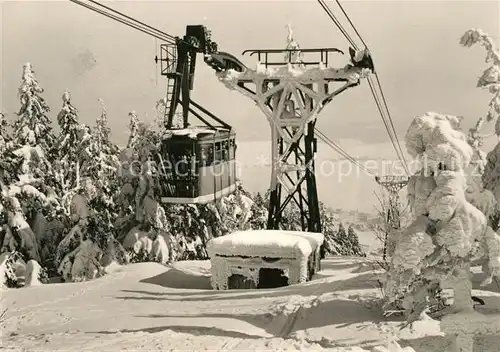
x,y
232,149
199,168
203,156
218,151
224,151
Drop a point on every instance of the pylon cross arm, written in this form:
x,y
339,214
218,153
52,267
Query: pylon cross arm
x,y
348,74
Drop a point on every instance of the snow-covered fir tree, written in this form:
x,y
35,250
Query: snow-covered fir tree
x,y
353,244
90,244
26,173
67,153
141,223
489,80
33,124
258,218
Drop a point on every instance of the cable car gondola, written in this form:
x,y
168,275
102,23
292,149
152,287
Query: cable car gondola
x,y
198,164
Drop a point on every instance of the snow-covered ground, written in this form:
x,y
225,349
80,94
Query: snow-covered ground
x,y
149,306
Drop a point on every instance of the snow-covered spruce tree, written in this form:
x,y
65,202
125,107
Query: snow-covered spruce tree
x,y
32,141
347,242
354,246
476,193
65,157
142,222
490,80
91,245
448,232
67,153
341,242
258,218
235,210
26,173
33,125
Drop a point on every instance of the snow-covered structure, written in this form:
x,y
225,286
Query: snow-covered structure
x,y
250,259
448,232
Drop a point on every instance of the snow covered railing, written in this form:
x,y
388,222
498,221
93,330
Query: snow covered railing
x,y
248,255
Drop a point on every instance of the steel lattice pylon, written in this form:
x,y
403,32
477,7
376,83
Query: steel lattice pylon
x,y
393,184
291,94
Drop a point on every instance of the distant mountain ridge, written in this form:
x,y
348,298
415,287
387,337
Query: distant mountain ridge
x,y
360,221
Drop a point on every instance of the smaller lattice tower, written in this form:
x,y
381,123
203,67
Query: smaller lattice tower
x,y
393,184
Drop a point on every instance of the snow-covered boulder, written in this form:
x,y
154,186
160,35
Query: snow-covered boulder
x,y
159,250
79,208
5,269
82,263
33,274
17,222
146,245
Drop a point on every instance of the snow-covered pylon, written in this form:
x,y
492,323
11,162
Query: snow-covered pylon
x,y
448,232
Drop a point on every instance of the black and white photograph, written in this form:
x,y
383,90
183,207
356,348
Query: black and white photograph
x,y
250,175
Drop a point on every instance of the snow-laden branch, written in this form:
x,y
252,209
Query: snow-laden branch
x,y
490,79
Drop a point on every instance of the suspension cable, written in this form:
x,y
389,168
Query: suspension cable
x,y
391,122
392,134
389,126
352,24
342,152
337,23
159,35
133,19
